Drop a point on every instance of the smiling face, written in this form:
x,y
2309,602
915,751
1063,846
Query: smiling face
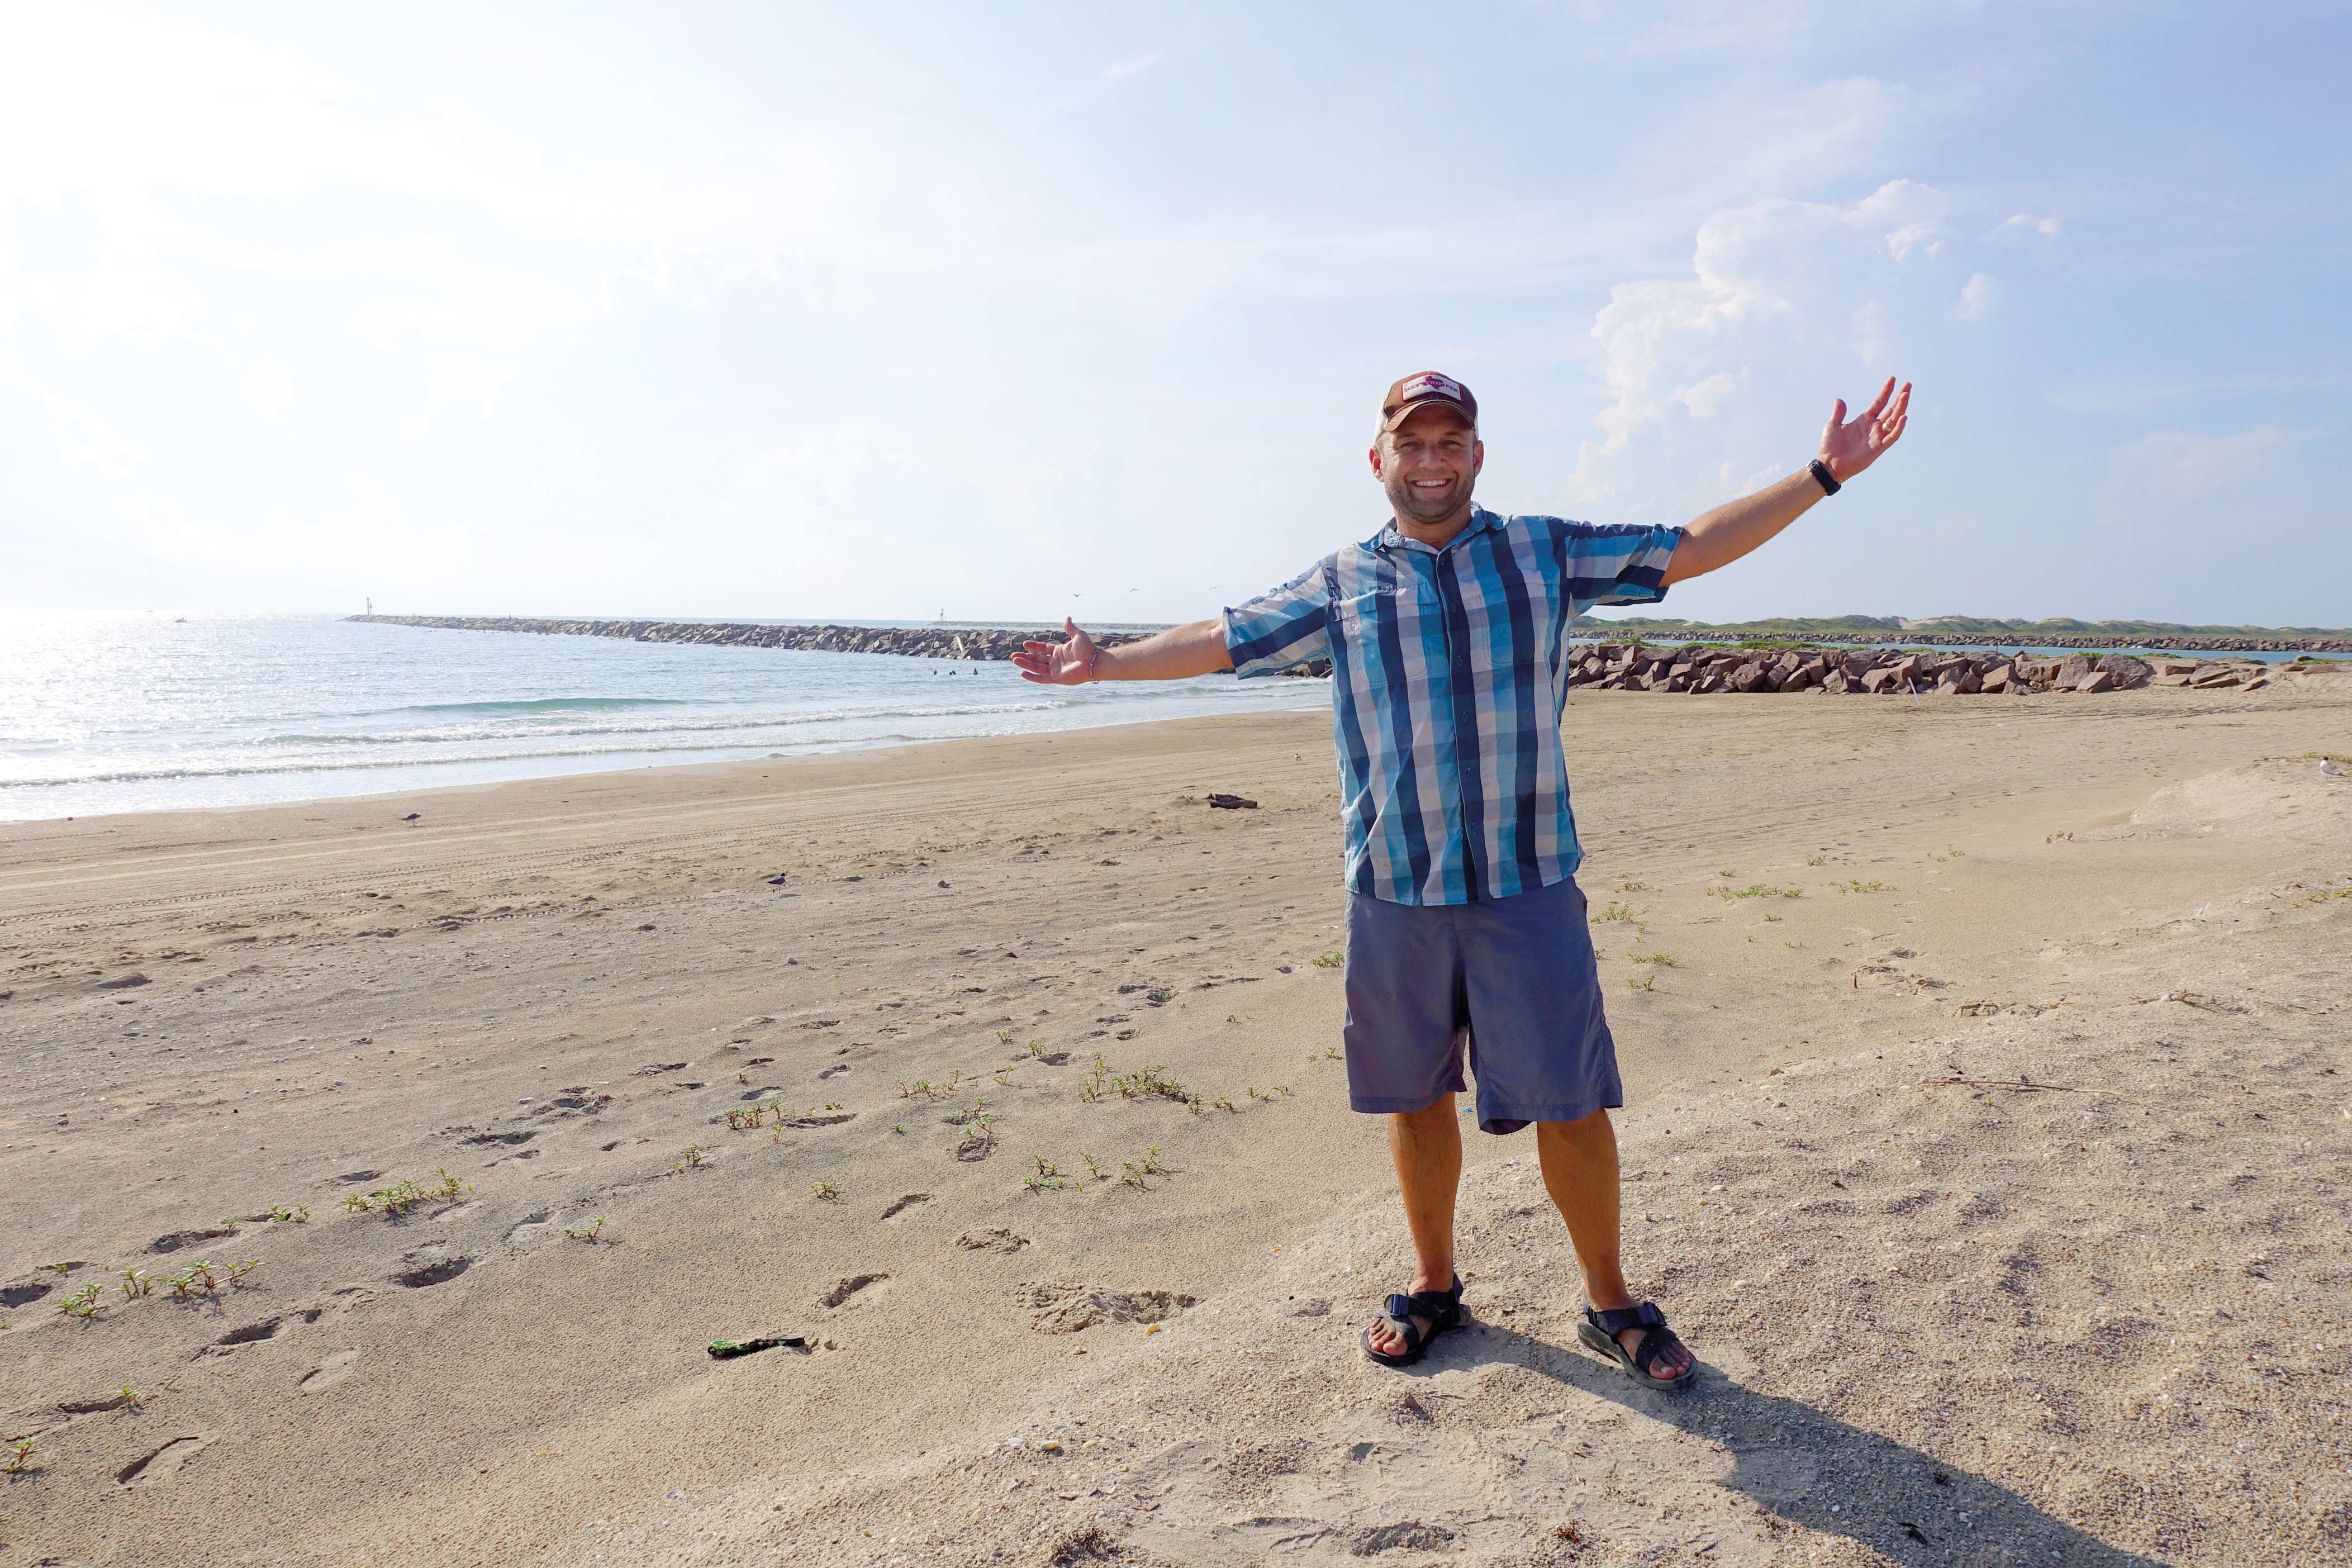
x,y
1428,465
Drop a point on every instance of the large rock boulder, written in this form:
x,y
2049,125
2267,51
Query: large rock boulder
x,y
2128,673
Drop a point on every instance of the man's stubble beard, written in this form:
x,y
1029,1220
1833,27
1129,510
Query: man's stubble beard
x,y
1413,508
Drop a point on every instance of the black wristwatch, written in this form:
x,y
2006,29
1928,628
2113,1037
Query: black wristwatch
x,y
1821,471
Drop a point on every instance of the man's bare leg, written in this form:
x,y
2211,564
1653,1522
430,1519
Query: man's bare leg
x,y
1580,1171
1427,1147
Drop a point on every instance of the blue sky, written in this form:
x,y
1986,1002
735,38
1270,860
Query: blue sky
x,y
775,309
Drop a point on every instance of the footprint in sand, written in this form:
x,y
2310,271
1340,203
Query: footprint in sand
x,y
251,1333
901,1206
180,1238
433,1264
329,1372
268,1328
844,1289
163,1464
996,1238
1057,1309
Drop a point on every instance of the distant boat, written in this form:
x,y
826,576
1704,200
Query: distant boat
x,y
179,620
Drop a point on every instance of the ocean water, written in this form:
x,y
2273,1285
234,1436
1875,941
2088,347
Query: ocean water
x,y
105,712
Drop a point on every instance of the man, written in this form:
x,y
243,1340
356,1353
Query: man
x,y
1447,634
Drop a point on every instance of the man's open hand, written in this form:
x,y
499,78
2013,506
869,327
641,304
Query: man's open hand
x,y
1850,446
1070,663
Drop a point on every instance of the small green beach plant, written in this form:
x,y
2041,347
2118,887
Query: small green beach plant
x,y
1758,891
1147,1082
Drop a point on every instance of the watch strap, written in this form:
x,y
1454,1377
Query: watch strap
x,y
1821,471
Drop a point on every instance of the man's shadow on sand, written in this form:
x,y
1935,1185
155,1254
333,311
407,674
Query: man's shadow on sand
x,y
1815,1470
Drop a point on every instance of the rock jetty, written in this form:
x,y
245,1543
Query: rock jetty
x,y
975,644
2177,642
1702,668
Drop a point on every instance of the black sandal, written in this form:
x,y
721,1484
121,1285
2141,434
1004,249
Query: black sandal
x,y
1441,1307
1600,1331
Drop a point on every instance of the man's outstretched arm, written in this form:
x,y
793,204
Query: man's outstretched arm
x,y
1196,648
1848,446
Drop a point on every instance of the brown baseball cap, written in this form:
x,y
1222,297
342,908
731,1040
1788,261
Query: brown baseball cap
x,y
1420,390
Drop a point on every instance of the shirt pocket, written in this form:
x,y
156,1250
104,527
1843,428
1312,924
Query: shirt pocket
x,y
1356,617
1493,650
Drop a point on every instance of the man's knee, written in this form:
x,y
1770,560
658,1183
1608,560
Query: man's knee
x,y
1438,1112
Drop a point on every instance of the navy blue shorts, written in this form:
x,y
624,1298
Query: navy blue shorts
x,y
1510,983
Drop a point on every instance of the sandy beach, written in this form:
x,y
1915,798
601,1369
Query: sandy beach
x,y
1988,1136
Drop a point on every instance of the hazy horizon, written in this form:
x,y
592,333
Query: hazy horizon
x,y
762,311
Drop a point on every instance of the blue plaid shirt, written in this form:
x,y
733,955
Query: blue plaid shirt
x,y
1449,669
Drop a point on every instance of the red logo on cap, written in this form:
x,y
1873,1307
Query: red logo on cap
x,y
1431,384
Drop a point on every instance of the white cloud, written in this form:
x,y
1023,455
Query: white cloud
x,y
1978,295
1916,236
2164,472
1776,286
271,388
1771,139
2027,225
1704,398
83,439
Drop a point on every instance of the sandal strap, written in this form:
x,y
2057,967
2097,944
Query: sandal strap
x,y
1617,1320
1653,1344
1399,1311
1435,1304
